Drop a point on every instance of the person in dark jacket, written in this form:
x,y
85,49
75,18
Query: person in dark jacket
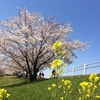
x,y
54,72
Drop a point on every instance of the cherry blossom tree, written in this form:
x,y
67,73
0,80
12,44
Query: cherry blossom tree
x,y
26,42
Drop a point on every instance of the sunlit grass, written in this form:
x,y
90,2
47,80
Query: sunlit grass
x,y
22,89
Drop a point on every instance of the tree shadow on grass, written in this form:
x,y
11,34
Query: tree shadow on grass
x,y
14,85
24,83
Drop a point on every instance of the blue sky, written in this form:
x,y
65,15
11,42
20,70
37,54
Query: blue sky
x,y
83,16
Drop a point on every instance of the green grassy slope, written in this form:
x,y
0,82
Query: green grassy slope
x,y
21,89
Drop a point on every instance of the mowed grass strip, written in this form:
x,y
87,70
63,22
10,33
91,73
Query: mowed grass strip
x,y
22,89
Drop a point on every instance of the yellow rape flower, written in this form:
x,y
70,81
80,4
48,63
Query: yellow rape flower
x,y
87,96
62,98
90,84
63,52
51,75
56,63
59,86
60,71
89,92
8,95
95,87
49,88
68,86
3,94
3,90
96,78
67,82
79,98
64,65
53,85
79,91
62,80
57,45
82,84
92,76
98,97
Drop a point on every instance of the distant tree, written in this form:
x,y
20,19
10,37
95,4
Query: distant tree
x,y
26,42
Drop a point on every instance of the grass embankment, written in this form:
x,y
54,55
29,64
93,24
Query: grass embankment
x,y
22,89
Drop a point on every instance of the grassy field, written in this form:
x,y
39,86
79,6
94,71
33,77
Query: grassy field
x,y
22,89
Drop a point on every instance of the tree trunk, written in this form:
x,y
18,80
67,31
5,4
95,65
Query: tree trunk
x,y
33,77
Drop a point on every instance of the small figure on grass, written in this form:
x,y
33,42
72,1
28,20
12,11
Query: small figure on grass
x,y
54,73
40,75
